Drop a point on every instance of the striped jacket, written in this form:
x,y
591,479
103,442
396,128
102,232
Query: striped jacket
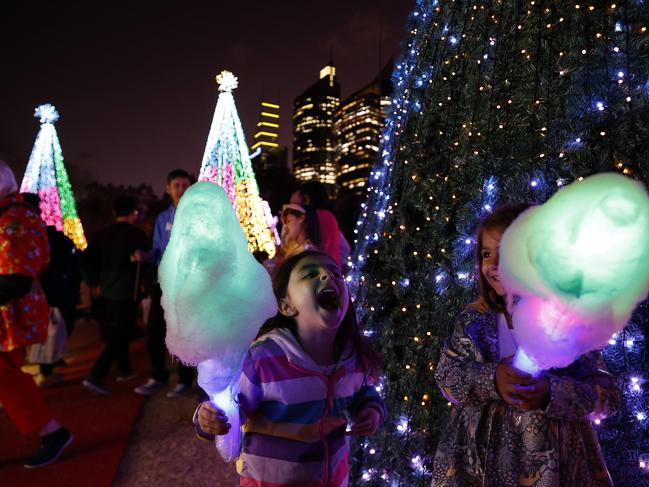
x,y
295,429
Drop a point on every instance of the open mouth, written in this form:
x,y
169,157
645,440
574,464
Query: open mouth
x,y
496,278
328,299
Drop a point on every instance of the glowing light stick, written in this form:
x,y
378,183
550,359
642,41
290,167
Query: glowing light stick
x,y
215,296
580,264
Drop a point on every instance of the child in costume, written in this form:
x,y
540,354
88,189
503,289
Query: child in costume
x,y
307,368
507,427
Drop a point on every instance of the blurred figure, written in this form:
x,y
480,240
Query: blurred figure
x,y
177,182
24,254
298,234
61,283
313,197
111,275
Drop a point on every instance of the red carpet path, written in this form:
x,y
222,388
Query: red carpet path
x,y
101,425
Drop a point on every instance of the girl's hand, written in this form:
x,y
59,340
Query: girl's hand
x,y
365,422
212,420
511,383
535,396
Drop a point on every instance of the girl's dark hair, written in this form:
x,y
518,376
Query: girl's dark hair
x,y
316,192
348,331
499,219
312,227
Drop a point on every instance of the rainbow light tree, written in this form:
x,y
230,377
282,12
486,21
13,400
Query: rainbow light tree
x,y
46,176
226,162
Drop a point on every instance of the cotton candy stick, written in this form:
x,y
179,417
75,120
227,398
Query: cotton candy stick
x,y
575,268
215,295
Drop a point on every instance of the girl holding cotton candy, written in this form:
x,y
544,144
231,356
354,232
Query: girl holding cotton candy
x,y
308,368
509,427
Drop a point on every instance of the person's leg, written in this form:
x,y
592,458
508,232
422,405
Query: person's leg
x,y
101,368
125,315
19,395
25,406
186,374
156,331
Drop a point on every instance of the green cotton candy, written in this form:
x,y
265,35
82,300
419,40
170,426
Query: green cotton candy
x,y
584,252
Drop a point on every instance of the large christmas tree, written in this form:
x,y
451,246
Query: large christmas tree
x,y
495,102
46,176
226,162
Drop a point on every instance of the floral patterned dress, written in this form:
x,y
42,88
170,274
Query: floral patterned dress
x,y
24,249
491,444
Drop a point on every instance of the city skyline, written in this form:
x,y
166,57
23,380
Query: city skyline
x,y
136,96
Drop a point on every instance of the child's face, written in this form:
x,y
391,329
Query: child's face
x,y
176,187
317,295
294,225
490,246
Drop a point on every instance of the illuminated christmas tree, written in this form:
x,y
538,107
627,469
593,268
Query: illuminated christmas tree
x,y
495,102
226,162
46,176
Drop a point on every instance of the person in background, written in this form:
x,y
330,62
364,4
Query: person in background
x,y
24,254
111,275
61,283
313,197
178,181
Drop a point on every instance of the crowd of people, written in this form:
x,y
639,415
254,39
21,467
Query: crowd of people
x,y
41,271
310,368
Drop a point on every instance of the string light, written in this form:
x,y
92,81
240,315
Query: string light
x,y
46,176
226,162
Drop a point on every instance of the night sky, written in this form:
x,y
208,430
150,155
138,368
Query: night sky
x,y
134,81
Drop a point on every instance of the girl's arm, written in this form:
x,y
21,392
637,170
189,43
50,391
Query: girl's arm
x,y
368,397
250,392
583,389
461,378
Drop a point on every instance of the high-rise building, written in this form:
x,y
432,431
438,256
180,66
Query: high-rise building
x,y
358,125
314,145
267,140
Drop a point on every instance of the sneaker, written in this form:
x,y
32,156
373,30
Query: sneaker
x,y
149,387
96,388
125,377
48,380
179,390
52,446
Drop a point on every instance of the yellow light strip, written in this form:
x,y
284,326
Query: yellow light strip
x,y
271,115
269,105
268,124
268,134
263,142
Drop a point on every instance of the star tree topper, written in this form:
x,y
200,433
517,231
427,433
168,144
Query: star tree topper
x,y
46,113
227,81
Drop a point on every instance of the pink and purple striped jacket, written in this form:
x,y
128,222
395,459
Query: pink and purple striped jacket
x,y
295,429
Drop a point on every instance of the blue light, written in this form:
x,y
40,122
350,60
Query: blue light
x,y
600,106
405,282
618,27
534,183
453,40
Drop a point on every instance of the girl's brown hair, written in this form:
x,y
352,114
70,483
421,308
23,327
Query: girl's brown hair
x,y
497,220
348,331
